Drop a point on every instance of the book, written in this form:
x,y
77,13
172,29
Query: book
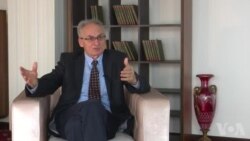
x,y
153,50
126,47
145,50
97,13
132,50
126,14
160,49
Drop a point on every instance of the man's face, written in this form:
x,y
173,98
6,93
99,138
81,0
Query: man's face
x,y
92,39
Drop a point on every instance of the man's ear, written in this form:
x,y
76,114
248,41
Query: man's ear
x,y
80,42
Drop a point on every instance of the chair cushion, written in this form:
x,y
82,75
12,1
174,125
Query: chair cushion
x,y
118,137
122,137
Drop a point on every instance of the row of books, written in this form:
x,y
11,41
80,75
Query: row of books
x,y
97,13
126,14
126,47
153,50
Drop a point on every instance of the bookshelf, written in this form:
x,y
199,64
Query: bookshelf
x,y
169,21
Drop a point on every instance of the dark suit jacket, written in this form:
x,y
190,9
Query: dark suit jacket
x,y
68,74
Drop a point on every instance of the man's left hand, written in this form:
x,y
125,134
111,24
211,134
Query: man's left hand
x,y
128,74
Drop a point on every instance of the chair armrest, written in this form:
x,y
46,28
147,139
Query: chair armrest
x,y
152,115
29,118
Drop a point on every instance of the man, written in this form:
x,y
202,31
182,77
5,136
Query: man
x,y
79,116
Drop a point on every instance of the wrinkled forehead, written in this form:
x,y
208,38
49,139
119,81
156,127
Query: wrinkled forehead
x,y
92,29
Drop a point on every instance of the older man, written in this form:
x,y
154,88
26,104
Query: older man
x,y
92,105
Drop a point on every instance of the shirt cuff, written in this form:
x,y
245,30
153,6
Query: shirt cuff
x,y
30,89
136,85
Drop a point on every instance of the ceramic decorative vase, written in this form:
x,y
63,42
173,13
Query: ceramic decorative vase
x,y
204,104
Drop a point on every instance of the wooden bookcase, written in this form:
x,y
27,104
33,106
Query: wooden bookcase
x,y
167,20
4,89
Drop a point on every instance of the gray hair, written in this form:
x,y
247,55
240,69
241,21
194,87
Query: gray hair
x,y
83,23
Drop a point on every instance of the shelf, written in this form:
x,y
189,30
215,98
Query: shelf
x,y
169,91
146,25
175,113
174,137
165,61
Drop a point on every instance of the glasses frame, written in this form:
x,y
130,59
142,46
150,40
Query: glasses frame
x,y
101,37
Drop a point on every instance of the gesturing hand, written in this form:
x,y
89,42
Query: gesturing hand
x,y
30,76
128,74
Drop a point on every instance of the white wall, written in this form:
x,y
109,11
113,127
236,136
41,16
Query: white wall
x,y
3,4
221,46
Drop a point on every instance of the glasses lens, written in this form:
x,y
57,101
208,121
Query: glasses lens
x,y
101,37
92,38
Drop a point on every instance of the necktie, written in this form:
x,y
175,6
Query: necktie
x,y
94,87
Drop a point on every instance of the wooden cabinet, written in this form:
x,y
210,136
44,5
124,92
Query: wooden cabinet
x,y
167,20
4,100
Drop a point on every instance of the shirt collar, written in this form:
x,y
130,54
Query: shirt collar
x,y
89,60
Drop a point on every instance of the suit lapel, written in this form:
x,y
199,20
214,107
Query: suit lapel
x,y
79,68
107,65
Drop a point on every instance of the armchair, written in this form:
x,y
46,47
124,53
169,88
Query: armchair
x,y
29,117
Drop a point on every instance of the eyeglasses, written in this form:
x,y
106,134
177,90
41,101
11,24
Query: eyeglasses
x,y
92,38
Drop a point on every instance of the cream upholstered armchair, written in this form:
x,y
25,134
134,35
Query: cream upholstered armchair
x,y
29,117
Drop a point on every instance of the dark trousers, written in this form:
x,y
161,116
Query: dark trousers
x,y
87,121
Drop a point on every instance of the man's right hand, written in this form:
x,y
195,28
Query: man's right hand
x,y
30,76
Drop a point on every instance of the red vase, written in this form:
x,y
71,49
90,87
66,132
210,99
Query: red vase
x,y
204,104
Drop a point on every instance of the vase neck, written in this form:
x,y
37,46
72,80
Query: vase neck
x,y
204,78
204,82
